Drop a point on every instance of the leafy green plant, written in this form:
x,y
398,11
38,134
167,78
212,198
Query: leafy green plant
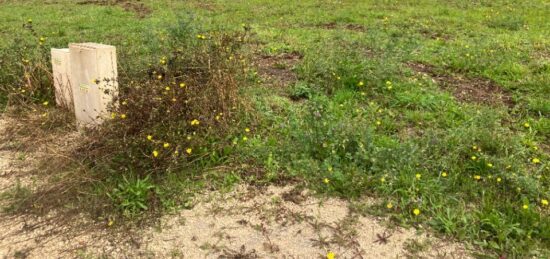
x,y
131,196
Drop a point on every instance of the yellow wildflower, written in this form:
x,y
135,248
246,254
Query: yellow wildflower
x,y
149,137
361,83
123,116
378,123
330,255
416,212
544,202
473,158
526,125
245,138
45,103
167,88
489,165
247,130
389,205
195,122
166,145
525,206
189,151
418,176
477,177
499,179
182,85
382,179
444,174
326,180
155,153
535,160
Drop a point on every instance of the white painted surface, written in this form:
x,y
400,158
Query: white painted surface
x,y
94,81
61,67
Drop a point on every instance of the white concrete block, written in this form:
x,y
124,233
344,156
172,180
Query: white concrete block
x,y
94,81
61,67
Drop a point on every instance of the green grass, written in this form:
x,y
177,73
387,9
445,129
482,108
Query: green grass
x,y
368,139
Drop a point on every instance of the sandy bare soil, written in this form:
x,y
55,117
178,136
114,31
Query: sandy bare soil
x,y
248,222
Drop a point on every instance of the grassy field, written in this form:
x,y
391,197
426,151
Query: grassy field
x,y
440,109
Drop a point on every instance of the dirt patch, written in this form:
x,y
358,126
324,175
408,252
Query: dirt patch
x,y
266,226
208,6
136,6
434,35
278,70
349,26
248,222
472,90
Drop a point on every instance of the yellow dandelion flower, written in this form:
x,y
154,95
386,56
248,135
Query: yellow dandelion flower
x,y
382,179
155,153
45,103
525,206
166,145
389,205
245,138
477,177
489,165
418,176
149,137
416,212
526,125
544,202
474,147
326,180
474,158
159,77
247,130
123,116
167,88
217,117
113,115
535,160
110,223
189,151
378,123
361,83
444,174
331,255
195,122
124,103
182,85
499,179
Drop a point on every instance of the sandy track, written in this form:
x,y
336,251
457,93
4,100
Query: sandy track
x,y
248,222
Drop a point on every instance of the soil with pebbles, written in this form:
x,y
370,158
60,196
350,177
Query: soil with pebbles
x,y
248,222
